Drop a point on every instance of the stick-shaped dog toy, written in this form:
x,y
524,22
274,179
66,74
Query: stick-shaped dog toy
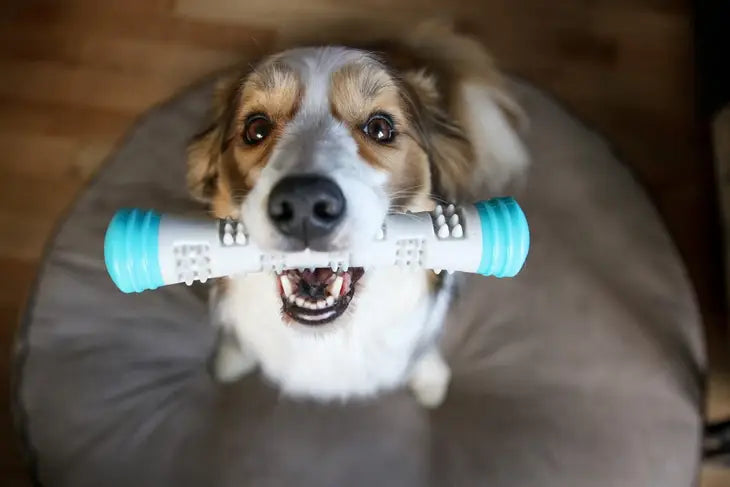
x,y
144,250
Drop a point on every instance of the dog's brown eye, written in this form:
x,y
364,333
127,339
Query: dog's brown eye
x,y
380,128
257,128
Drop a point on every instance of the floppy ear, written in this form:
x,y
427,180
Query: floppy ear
x,y
203,164
468,121
492,121
444,141
206,149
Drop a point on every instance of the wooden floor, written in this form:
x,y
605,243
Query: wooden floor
x,y
74,75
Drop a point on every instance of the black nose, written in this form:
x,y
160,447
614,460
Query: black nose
x,y
306,207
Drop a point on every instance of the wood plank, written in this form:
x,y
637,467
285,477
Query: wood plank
x,y
33,196
28,238
60,119
18,276
127,56
51,159
49,82
104,22
12,465
714,476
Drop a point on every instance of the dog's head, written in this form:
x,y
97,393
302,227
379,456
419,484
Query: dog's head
x,y
312,147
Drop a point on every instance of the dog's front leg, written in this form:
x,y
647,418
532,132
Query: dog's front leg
x,y
231,360
429,379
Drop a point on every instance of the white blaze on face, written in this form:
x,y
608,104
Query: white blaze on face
x,y
315,142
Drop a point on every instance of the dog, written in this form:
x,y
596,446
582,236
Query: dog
x,y
312,147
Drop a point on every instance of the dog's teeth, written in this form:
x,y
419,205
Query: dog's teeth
x,y
312,305
443,231
457,231
311,269
286,285
334,267
292,298
450,210
241,238
440,221
300,302
453,220
345,267
228,228
228,239
330,300
300,269
321,304
437,271
336,286
439,210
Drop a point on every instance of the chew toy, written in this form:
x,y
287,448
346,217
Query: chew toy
x,y
144,250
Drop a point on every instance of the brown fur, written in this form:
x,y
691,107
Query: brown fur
x,y
221,167
415,78
357,91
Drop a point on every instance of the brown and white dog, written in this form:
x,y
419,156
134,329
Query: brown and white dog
x,y
312,147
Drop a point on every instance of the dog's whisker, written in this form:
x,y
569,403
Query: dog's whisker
x,y
405,194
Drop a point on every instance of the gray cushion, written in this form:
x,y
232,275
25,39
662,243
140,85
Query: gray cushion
x,y
585,370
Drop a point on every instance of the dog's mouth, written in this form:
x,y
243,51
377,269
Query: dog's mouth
x,y
317,296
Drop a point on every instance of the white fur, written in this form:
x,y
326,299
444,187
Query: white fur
x,y
386,338
497,147
314,142
368,349
232,361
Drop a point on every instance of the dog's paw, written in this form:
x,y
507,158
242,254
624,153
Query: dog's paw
x,y
430,379
231,362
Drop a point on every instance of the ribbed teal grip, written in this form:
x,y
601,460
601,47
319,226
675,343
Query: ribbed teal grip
x,y
131,250
505,237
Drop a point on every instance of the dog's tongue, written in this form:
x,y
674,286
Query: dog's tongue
x,y
317,276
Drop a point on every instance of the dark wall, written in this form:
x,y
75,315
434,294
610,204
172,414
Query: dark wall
x,y
712,51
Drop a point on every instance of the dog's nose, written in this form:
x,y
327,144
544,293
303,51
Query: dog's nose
x,y
306,207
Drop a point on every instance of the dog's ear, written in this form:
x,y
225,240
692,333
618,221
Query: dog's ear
x,y
203,164
466,118
492,121
206,149
447,146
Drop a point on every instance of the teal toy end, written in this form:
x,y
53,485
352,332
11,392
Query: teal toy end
x,y
505,237
131,250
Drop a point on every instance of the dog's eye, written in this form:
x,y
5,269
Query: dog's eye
x,y
256,129
380,128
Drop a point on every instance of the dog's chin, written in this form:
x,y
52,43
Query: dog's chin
x,y
316,297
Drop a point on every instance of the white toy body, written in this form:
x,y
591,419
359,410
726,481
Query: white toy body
x,y
191,250
144,250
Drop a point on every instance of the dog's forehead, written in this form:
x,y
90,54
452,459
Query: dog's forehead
x,y
322,60
315,67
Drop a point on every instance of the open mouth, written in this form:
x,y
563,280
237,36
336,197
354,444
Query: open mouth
x,y
317,296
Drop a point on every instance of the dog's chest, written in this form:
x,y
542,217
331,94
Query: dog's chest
x,y
370,350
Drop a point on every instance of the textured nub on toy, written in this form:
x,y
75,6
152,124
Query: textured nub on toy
x,y
447,223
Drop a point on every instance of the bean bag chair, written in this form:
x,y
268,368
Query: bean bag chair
x,y
583,371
